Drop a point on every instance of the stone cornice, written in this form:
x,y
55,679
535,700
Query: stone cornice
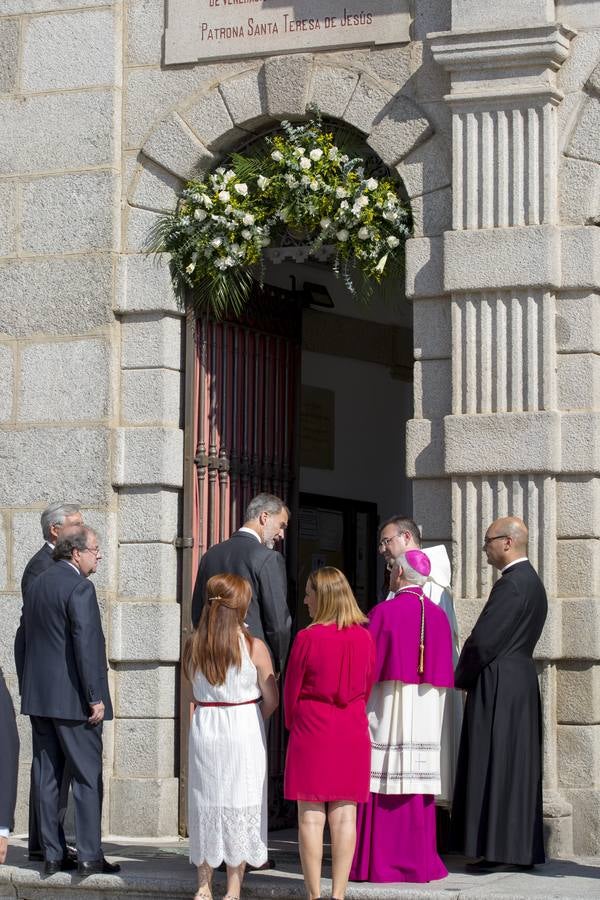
x,y
538,45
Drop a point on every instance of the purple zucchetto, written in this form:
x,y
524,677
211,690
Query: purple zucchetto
x,y
419,561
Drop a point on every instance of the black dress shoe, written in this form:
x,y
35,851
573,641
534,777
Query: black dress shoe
x,y
97,867
52,866
483,864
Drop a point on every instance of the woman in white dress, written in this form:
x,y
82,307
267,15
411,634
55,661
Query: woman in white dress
x,y
235,691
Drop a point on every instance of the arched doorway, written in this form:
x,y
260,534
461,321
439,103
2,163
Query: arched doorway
x,y
201,128
307,396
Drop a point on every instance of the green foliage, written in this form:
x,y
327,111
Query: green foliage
x,y
301,181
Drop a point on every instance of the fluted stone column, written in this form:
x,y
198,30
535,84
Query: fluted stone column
x,y
499,270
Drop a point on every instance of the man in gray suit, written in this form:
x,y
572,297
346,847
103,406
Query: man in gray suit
x,y
56,519
64,689
249,553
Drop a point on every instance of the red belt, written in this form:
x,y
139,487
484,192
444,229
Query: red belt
x,y
241,703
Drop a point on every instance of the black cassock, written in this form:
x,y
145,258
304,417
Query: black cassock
x,y
497,808
9,757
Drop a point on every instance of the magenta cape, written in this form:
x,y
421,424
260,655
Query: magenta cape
x,y
396,626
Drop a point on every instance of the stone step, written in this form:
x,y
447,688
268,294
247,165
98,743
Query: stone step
x,y
155,871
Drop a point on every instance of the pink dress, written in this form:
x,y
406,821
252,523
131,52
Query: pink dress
x,y
328,681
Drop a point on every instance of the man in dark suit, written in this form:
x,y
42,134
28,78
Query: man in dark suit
x,y
9,764
249,553
497,809
64,689
56,518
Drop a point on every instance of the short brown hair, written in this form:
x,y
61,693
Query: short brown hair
x,y
402,523
215,644
335,600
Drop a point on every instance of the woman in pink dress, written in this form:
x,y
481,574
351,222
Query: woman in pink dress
x,y
329,678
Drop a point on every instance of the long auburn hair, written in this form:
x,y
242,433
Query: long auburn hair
x,y
335,600
215,644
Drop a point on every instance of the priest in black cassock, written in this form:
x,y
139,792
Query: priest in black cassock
x,y
497,808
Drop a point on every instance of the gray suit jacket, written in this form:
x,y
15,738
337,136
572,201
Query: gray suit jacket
x,y
268,615
63,665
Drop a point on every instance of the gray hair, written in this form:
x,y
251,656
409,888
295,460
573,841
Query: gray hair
x,y
409,574
268,503
76,539
55,514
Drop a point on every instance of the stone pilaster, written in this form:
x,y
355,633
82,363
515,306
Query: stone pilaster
x,y
501,270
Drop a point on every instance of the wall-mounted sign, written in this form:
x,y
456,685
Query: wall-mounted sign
x,y
218,29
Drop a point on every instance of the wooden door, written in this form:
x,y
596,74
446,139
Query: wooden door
x,y
241,439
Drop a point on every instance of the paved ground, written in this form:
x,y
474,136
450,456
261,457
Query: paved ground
x,y
152,871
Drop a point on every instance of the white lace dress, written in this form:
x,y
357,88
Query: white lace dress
x,y
227,794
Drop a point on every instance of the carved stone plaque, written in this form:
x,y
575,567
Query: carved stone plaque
x,y
223,29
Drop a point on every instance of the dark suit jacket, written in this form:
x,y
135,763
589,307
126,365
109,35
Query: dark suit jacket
x,y
38,563
268,615
63,668
9,757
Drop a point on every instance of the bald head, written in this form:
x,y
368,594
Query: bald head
x,y
505,540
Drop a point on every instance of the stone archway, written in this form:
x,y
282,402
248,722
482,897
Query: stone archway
x,y
195,134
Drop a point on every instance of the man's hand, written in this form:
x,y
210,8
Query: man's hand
x,y
3,850
97,713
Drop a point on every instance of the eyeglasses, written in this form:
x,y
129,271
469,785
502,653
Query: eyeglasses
x,y
496,537
94,550
385,541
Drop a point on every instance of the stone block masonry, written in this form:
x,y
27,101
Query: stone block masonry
x,y
492,126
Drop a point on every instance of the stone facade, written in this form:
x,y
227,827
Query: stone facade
x,y
494,133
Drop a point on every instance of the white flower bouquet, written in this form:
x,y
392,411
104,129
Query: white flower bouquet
x,y
299,181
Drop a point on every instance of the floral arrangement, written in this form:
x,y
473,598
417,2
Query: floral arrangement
x,y
298,181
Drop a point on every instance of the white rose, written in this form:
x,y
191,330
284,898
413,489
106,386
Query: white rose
x,y
276,155
246,234
344,204
392,241
229,174
189,269
314,185
305,163
316,154
207,201
342,235
262,182
325,223
333,153
200,215
341,192
299,151
248,219
241,189
372,184
216,242
224,196
363,233
362,201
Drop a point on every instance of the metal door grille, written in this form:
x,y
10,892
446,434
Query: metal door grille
x,y
241,439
